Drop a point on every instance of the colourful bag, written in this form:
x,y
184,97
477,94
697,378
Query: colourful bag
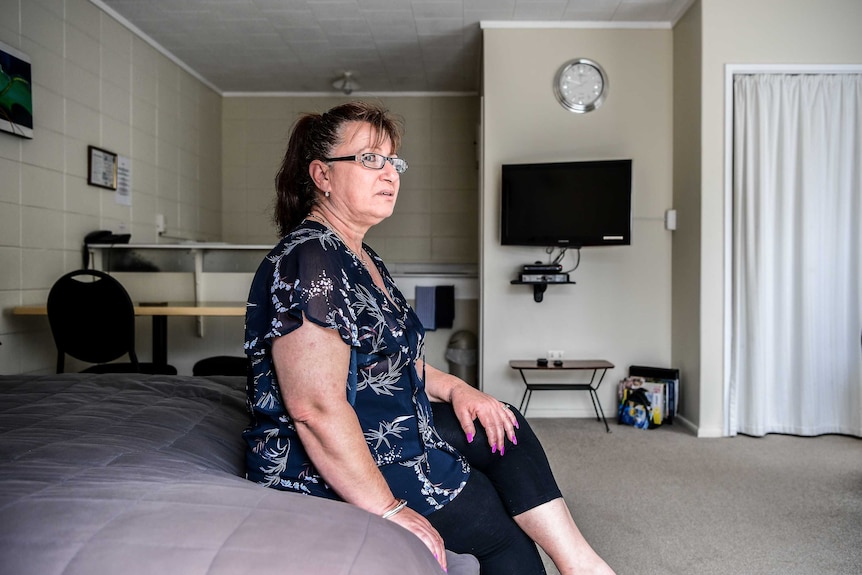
x,y
635,409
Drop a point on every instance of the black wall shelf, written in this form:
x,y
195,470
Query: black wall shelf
x,y
540,287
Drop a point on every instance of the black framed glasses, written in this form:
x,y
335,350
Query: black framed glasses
x,y
373,161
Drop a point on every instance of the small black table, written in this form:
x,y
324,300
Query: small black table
x,y
598,367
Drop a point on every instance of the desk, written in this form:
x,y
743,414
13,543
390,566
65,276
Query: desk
x,y
160,314
598,367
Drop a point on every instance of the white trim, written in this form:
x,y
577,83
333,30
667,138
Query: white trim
x,y
480,161
731,70
161,49
734,69
351,95
188,245
570,24
15,52
692,428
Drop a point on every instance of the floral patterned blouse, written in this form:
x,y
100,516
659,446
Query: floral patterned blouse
x,y
311,274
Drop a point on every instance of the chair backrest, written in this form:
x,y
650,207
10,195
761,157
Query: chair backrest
x,y
222,365
92,318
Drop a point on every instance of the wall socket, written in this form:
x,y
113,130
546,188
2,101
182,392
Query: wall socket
x,y
555,354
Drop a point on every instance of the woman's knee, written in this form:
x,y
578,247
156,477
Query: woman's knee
x,y
476,522
449,427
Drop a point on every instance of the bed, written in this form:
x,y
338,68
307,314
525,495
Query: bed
x,y
134,474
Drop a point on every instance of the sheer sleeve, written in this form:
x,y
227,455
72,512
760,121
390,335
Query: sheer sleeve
x,y
313,277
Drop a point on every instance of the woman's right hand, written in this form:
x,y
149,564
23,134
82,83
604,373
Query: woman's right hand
x,y
421,528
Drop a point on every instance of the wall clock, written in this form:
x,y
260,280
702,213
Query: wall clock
x,y
581,85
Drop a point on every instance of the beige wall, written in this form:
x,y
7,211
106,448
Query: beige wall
x,y
712,34
687,36
95,83
620,309
771,32
436,218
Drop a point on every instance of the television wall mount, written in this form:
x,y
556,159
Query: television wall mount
x,y
540,286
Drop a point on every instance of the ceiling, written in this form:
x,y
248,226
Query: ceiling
x,y
389,45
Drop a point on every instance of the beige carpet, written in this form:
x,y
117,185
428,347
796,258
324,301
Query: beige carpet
x,y
663,502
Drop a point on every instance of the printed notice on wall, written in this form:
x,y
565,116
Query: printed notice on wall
x,y
123,195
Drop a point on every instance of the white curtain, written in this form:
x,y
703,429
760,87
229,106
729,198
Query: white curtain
x,y
796,359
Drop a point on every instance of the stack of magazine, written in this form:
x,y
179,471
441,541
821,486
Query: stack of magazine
x,y
662,387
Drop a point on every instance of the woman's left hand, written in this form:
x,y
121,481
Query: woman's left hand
x,y
499,422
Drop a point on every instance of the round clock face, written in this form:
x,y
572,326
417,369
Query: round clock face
x,y
581,85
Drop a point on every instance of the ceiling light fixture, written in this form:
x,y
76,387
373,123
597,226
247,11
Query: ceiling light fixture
x,y
346,83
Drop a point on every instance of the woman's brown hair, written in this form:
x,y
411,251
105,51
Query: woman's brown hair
x,y
313,137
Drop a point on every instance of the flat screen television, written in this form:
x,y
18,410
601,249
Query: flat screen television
x,y
567,204
16,98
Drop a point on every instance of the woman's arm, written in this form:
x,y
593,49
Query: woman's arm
x,y
470,404
312,364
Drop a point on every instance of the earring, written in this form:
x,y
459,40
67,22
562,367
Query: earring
x,y
326,194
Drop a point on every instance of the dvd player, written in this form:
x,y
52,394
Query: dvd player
x,y
539,267
550,278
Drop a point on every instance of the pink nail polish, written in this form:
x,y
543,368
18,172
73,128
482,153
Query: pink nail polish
x,y
503,449
494,448
469,438
514,440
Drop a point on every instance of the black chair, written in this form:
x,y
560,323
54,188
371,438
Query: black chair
x,y
221,365
92,319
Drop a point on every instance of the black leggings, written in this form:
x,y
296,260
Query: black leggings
x,y
479,520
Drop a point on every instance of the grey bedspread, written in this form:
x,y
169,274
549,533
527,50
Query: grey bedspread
x,y
140,474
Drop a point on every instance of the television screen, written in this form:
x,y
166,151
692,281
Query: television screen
x,y
567,204
16,101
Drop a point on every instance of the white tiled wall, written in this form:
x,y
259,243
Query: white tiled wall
x,y
95,83
436,219
206,162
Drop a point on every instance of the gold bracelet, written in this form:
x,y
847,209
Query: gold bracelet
x,y
402,503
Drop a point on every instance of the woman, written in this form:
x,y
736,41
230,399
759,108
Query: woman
x,y
340,395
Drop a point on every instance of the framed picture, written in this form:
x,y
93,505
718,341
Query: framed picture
x,y
101,168
16,98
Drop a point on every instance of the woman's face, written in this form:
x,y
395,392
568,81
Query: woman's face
x,y
364,196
